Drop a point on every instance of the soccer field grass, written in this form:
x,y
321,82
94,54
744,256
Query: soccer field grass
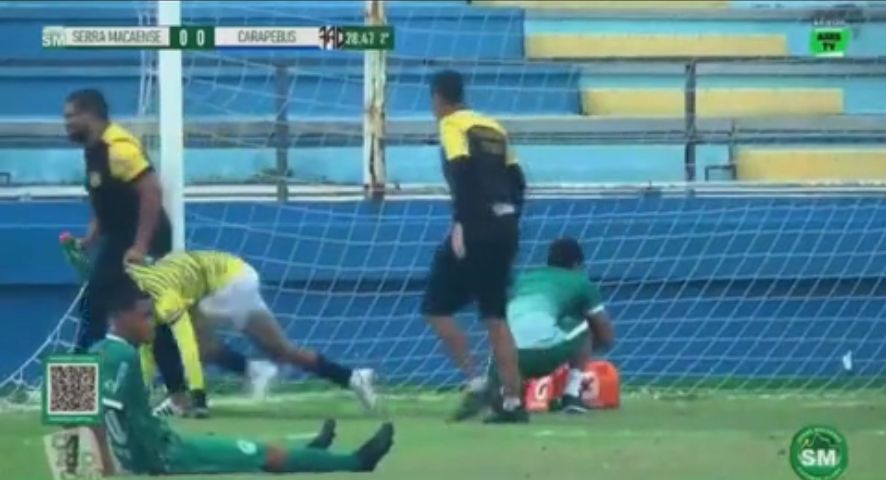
x,y
708,438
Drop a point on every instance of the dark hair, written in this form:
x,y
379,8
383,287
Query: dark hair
x,y
449,85
91,101
565,253
124,296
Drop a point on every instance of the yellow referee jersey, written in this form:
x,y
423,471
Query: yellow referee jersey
x,y
176,283
180,280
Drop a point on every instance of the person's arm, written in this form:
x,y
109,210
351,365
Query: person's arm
x,y
93,231
598,319
602,331
183,332
518,181
455,149
150,204
462,190
101,439
128,163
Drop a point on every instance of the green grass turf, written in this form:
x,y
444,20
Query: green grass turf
x,y
707,438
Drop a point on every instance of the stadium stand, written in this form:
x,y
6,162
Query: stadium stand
x,y
723,102
653,45
559,90
852,164
605,4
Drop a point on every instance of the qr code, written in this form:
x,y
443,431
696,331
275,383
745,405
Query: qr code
x,y
72,388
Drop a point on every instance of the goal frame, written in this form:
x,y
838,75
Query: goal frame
x,y
171,125
171,118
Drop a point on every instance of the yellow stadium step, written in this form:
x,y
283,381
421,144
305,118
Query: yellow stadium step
x,y
715,102
555,46
605,4
810,164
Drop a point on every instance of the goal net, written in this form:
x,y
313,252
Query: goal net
x,y
711,288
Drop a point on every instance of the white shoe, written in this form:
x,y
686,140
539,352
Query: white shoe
x,y
168,408
363,384
260,374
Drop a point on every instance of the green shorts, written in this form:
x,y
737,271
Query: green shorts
x,y
539,362
211,454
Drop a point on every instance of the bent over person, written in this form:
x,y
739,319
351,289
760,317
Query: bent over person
x,y
199,292
557,317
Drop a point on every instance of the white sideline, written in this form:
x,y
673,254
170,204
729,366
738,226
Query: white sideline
x,y
810,400
583,432
246,401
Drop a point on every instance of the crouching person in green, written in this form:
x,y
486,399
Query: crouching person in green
x,y
132,440
557,316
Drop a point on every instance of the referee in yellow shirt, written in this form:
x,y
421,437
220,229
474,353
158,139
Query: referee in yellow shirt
x,y
198,293
128,221
474,262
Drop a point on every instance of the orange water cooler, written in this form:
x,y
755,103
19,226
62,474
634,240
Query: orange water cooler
x,y
601,387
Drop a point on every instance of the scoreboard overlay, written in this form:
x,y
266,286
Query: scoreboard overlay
x,y
202,37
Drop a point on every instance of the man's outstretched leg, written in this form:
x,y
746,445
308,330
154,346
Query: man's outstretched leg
x,y
447,292
266,333
316,460
476,396
209,454
455,342
324,437
258,373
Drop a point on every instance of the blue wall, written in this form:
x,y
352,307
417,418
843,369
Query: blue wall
x,y
405,164
760,288
544,164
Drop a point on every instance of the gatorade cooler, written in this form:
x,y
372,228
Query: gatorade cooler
x,y
601,387
541,391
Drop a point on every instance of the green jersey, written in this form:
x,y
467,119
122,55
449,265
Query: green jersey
x,y
549,304
139,441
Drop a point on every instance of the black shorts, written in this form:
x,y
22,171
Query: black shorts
x,y
483,275
107,272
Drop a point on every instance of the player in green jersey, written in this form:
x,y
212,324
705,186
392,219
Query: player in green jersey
x,y
133,440
557,316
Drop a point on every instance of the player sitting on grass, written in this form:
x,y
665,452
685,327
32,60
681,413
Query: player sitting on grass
x,y
549,314
220,290
141,443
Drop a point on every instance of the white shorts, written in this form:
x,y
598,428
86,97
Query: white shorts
x,y
231,305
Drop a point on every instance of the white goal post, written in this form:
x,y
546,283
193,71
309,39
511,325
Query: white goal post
x,y
171,117
171,128
374,85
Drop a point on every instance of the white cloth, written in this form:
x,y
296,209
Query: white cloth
x,y
231,305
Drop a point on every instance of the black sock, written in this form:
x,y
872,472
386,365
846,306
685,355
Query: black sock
x,y
199,398
231,360
338,374
168,359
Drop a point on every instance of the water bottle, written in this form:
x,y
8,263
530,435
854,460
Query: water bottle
x,y
74,255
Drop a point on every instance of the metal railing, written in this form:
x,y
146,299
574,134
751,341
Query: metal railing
x,y
281,133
